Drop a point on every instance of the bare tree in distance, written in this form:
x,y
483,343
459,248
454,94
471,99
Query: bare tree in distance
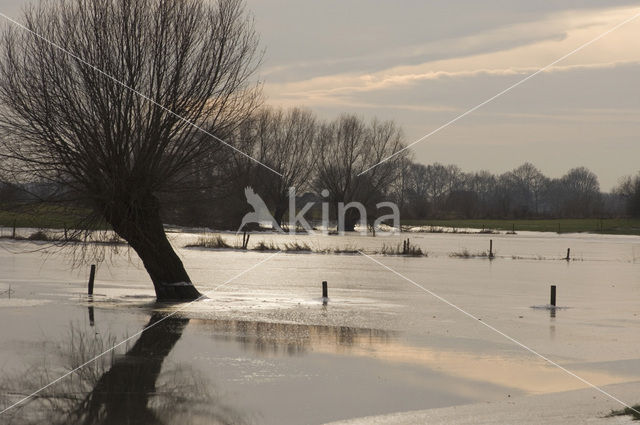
x,y
413,183
113,150
629,189
440,181
287,142
528,184
581,192
347,146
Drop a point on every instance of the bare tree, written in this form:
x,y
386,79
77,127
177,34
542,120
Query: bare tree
x,y
440,181
414,188
527,185
629,189
348,146
286,142
99,129
576,194
582,192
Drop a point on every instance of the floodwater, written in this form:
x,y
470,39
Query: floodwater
x,y
265,349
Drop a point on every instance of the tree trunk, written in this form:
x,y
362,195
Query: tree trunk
x,y
278,214
349,223
351,218
140,225
122,394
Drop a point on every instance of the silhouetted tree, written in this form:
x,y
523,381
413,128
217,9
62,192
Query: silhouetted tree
x,y
581,192
629,190
286,141
527,185
98,129
347,147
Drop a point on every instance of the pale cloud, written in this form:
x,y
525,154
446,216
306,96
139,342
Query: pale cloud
x,y
613,50
337,89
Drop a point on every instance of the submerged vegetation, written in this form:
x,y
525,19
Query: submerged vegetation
x,y
407,249
465,253
633,412
404,249
214,242
296,247
264,246
40,235
218,242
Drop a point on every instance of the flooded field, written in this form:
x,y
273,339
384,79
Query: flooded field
x,y
265,349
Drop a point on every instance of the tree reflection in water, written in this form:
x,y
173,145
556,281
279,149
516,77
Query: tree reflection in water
x,y
118,390
296,339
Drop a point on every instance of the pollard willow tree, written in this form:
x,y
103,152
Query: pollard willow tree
x,y
104,97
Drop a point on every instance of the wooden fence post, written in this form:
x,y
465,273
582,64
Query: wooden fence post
x,y
92,276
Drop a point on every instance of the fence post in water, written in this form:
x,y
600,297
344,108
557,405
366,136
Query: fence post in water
x,y
13,234
553,296
92,276
568,254
490,248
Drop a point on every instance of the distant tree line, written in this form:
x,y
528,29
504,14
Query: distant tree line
x,y
447,192
315,155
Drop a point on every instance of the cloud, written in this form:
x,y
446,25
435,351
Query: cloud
x,y
611,52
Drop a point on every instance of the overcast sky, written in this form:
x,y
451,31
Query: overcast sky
x,y
422,63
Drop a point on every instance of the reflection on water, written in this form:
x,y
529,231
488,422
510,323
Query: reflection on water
x,y
295,339
520,373
132,388
146,385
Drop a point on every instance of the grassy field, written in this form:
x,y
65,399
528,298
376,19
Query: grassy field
x,y
615,226
56,217
40,216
